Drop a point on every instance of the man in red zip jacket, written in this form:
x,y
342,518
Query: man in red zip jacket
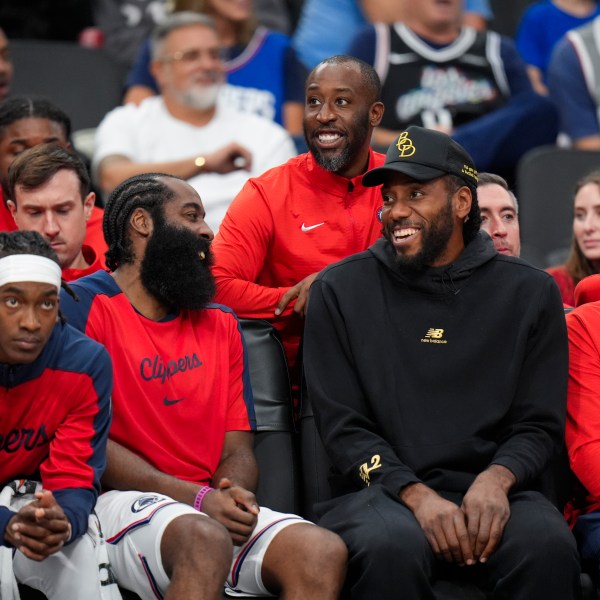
x,y
294,220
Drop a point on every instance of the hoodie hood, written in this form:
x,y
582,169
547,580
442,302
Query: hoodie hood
x,y
448,279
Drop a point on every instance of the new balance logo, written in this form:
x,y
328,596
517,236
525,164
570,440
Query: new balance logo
x,y
434,336
435,333
306,228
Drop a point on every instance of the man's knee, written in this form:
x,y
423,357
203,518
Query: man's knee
x,y
317,546
192,539
391,539
537,534
403,545
304,554
72,572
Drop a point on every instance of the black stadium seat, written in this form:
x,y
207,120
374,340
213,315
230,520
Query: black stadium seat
x,y
83,82
274,446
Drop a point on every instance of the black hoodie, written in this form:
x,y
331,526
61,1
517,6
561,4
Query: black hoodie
x,y
434,375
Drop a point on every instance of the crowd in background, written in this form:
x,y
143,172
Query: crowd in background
x,y
252,138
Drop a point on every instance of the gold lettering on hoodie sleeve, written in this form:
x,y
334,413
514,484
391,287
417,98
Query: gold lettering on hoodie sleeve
x,y
365,471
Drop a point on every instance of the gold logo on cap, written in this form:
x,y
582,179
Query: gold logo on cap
x,y
405,145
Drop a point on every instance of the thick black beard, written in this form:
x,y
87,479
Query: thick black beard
x,y
434,243
172,270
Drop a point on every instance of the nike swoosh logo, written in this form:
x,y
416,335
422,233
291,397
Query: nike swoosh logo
x,y
168,402
306,228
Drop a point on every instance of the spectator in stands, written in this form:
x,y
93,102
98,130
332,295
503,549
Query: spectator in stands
x,y
286,225
264,76
313,40
582,431
541,27
49,191
184,132
56,387
473,86
124,25
499,213
441,470
159,293
6,68
26,122
573,85
584,255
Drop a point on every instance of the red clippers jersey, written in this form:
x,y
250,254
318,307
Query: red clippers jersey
x,y
179,384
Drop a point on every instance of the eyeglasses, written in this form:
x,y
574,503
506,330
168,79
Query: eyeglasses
x,y
192,55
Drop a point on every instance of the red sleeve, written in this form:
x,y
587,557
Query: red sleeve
x,y
77,454
94,235
565,284
583,406
71,449
241,247
7,223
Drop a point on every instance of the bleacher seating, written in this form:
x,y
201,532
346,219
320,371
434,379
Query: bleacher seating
x,y
83,82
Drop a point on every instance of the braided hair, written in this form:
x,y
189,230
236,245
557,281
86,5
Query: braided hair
x,y
141,191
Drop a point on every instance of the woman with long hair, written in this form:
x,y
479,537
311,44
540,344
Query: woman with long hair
x,y
584,256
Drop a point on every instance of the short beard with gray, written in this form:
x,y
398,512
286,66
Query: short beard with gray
x,y
200,98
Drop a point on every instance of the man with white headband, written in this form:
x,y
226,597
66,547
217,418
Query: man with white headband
x,y
55,406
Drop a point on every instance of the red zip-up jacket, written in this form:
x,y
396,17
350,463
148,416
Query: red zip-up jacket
x,y
285,225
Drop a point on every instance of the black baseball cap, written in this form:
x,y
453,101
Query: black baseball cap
x,y
424,154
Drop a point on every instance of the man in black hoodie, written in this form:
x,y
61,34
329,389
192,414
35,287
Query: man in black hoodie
x,y
437,371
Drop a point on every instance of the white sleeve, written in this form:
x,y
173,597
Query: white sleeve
x,y
276,147
115,135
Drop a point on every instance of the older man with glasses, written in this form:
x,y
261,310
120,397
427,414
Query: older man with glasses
x,y
185,132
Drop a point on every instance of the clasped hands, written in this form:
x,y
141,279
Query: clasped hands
x,y
466,534
40,528
235,508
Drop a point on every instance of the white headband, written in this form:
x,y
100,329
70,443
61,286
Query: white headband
x,y
29,267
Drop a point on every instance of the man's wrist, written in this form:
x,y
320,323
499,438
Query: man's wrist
x,y
498,475
200,164
205,489
413,494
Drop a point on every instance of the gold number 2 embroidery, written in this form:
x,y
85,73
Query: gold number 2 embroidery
x,y
364,470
